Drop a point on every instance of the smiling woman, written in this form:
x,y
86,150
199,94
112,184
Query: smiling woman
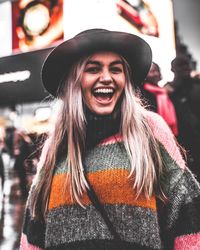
x,y
111,175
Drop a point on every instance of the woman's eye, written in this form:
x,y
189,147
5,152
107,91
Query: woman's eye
x,y
116,69
92,69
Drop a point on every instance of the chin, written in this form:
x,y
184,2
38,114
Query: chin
x,y
103,111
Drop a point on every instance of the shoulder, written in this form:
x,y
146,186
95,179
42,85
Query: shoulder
x,y
164,135
158,125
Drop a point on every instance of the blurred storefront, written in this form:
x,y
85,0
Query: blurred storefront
x,y
31,30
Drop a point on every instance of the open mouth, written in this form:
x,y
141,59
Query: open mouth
x,y
103,94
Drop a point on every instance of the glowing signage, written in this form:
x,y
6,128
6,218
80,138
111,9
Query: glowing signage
x,y
15,76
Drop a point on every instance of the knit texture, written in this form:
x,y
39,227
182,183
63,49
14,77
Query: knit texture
x,y
142,223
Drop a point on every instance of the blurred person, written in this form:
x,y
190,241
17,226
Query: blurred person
x,y
185,94
21,147
110,175
9,140
157,97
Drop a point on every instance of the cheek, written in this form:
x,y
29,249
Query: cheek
x,y
87,80
122,87
87,96
122,84
86,93
84,85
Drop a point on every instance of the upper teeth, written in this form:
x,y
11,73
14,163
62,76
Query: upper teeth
x,y
103,91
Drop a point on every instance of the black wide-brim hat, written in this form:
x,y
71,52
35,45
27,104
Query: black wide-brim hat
x,y
134,49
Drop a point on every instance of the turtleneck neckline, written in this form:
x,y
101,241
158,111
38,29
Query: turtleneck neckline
x,y
99,127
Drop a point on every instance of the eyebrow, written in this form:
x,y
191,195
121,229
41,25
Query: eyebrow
x,y
99,63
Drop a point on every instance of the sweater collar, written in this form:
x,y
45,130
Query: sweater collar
x,y
100,127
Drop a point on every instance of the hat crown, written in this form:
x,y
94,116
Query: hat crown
x,y
90,31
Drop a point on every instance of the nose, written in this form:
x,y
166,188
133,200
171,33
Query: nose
x,y
105,77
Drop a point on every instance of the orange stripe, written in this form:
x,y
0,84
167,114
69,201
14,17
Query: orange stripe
x,y
112,187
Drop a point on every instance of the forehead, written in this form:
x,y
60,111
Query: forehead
x,y
180,62
105,56
154,67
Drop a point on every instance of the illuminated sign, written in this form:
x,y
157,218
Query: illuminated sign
x,y
20,80
36,24
15,76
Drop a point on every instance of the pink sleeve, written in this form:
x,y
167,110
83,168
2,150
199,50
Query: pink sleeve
x,y
25,245
165,136
187,242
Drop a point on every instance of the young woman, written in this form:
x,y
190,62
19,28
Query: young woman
x,y
110,175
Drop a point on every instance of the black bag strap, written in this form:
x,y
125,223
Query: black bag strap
x,y
97,204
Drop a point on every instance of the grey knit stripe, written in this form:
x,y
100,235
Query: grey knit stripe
x,y
179,185
172,172
184,193
112,156
134,224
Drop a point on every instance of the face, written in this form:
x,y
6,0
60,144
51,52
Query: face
x,y
154,75
182,68
103,82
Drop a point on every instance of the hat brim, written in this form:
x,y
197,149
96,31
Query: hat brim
x,y
135,50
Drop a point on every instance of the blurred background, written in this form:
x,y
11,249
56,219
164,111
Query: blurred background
x,y
30,29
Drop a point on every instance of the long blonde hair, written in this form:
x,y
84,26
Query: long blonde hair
x,y
70,128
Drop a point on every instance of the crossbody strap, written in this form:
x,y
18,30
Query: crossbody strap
x,y
98,205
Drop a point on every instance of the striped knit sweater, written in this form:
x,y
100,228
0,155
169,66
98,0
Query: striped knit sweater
x,y
141,223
